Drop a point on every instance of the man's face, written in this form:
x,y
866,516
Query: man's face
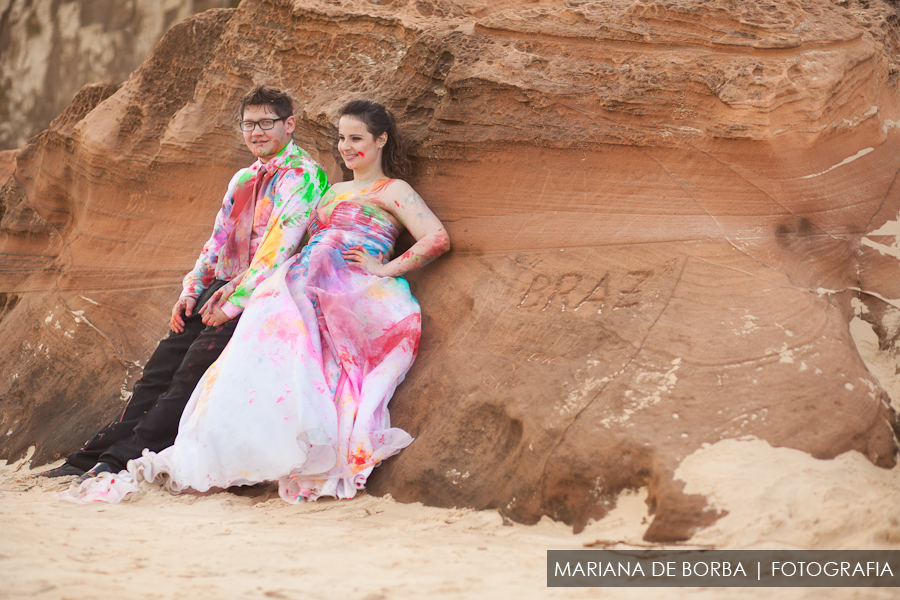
x,y
266,143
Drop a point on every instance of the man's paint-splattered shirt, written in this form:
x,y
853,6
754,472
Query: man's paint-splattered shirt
x,y
282,212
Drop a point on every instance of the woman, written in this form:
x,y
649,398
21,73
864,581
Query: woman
x,y
300,394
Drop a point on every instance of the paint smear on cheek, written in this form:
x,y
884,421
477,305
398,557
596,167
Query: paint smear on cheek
x,y
361,154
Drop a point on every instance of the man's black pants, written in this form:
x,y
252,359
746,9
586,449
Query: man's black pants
x,y
150,419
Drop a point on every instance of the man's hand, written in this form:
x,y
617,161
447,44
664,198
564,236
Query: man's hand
x,y
212,314
217,300
184,306
215,317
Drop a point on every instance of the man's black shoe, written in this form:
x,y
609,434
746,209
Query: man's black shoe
x,y
100,467
64,470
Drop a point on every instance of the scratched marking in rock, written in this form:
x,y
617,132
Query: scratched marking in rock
x,y
505,381
538,285
634,295
602,288
571,292
669,267
526,355
567,292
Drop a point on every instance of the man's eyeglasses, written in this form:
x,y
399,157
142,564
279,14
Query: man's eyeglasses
x,y
264,124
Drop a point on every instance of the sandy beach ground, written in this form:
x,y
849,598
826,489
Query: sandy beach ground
x,y
225,545
254,545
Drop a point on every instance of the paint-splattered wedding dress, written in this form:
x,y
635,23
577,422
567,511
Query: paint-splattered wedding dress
x,y
300,394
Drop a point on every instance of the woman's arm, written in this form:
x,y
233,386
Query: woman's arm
x,y
412,212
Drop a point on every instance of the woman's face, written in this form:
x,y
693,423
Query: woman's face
x,y
358,147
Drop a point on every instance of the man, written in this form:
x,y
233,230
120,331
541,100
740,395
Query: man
x,y
261,223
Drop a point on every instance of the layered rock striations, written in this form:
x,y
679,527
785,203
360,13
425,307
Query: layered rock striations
x,y
664,214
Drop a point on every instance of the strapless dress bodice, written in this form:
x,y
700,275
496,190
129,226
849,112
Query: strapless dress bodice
x,y
353,224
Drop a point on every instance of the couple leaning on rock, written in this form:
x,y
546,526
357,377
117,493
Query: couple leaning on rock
x,y
279,366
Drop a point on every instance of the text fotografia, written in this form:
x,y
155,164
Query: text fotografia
x,y
723,568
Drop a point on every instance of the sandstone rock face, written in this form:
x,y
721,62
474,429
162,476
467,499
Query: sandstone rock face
x,y
49,49
665,214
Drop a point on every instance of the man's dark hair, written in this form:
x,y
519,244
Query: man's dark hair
x,y
265,95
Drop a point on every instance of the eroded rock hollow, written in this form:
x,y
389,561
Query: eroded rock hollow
x,y
665,214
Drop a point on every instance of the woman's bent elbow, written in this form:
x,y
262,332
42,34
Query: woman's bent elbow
x,y
444,242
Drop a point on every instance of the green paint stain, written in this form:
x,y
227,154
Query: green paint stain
x,y
245,176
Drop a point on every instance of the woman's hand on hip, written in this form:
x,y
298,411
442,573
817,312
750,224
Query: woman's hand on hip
x,y
358,256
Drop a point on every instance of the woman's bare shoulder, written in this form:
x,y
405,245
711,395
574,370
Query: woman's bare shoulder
x,y
400,190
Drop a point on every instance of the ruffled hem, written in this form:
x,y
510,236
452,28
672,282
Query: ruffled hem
x,y
155,469
106,487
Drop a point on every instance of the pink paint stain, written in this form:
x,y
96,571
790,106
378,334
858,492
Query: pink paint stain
x,y
280,399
